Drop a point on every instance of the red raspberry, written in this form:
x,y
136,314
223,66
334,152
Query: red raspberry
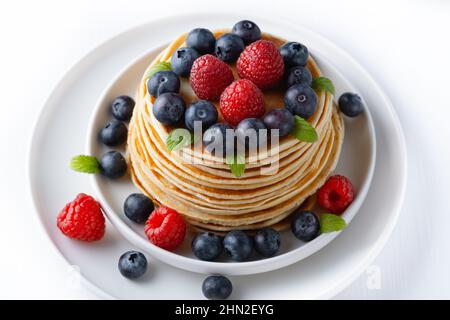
x,y
82,219
262,63
209,77
241,100
165,228
336,194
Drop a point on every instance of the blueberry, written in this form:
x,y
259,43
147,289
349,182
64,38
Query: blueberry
x,y
267,242
228,47
298,75
215,137
203,111
249,129
137,207
169,108
350,104
113,165
114,133
162,82
207,246
238,245
201,40
301,100
247,30
294,54
122,108
182,60
305,225
280,119
132,264
217,287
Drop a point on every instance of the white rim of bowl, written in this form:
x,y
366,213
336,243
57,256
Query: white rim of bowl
x,y
196,265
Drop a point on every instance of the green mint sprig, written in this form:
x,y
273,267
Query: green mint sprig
x,y
162,66
236,164
322,83
303,130
85,164
179,139
331,223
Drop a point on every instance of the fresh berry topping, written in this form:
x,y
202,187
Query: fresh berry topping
x,y
298,75
162,82
294,54
240,100
122,108
202,111
207,246
201,40
169,108
247,30
350,104
250,132
132,264
113,165
238,245
182,60
209,77
137,207
267,242
114,133
280,119
82,219
261,62
305,225
228,47
165,228
336,194
215,139
301,100
217,287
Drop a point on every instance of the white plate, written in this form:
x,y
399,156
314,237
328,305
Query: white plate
x,y
60,133
359,140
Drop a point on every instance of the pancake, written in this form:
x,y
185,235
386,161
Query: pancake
x,y
201,187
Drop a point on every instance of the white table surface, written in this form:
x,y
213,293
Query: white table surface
x,y
403,44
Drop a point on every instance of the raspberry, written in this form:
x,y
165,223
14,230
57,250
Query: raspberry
x,y
241,100
336,194
209,77
82,219
165,228
262,63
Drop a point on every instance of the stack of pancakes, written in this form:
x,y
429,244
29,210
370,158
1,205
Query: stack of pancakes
x,y
205,191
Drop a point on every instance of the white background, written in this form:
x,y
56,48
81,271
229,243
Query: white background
x,y
403,44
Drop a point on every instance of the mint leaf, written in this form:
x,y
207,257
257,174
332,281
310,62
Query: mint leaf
x,y
162,66
322,83
178,139
303,130
85,164
331,223
236,164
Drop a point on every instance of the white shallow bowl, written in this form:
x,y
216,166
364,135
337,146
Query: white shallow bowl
x,y
60,133
357,162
